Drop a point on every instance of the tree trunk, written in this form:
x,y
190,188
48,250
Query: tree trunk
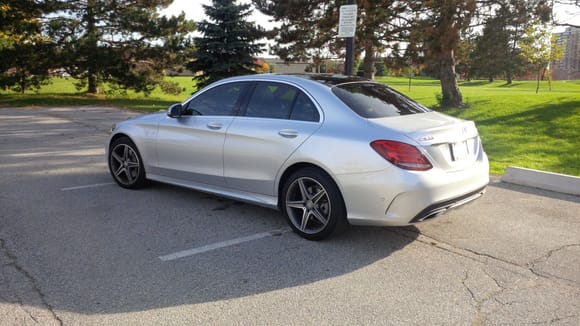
x,y
368,61
508,77
22,84
92,48
451,94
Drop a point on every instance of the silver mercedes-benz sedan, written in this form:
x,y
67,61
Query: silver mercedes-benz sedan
x,y
326,150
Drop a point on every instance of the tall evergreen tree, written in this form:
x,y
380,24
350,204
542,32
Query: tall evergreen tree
x,y
24,52
491,49
228,45
125,42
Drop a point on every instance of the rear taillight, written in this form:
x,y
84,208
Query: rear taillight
x,y
403,155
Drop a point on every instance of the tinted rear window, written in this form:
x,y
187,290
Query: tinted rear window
x,y
374,100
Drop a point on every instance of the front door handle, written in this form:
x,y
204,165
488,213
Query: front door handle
x,y
215,125
286,133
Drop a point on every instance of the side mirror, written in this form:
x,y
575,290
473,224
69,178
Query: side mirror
x,y
175,110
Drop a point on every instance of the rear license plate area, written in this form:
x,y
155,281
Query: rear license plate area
x,y
459,151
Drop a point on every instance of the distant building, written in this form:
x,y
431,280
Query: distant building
x,y
275,65
287,67
569,67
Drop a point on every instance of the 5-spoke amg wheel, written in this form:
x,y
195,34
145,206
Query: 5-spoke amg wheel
x,y
125,164
313,204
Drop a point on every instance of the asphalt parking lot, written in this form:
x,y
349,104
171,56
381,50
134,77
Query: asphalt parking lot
x,y
76,249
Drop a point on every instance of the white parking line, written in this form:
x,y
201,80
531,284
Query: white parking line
x,y
223,244
88,186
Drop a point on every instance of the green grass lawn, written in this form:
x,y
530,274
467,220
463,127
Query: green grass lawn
x,y
61,91
518,127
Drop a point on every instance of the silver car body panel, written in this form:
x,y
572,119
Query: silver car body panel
x,y
255,149
245,158
191,147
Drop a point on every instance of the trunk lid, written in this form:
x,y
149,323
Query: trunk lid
x,y
450,143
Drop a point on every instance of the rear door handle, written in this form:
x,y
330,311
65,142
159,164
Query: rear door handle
x,y
288,133
215,125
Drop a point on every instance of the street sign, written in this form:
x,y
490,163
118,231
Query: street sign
x,y
347,21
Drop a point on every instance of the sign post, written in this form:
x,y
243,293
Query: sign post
x,y
347,29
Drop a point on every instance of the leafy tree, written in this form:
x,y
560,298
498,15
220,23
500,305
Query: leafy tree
x,y
262,66
463,61
492,50
380,68
19,22
443,23
383,24
228,45
497,52
308,28
124,42
24,51
540,48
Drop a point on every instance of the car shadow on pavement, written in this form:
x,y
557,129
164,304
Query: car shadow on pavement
x,y
106,259
249,269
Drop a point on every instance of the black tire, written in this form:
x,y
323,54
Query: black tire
x,y
313,204
125,164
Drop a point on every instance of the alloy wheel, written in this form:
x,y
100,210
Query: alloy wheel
x,y
308,205
125,164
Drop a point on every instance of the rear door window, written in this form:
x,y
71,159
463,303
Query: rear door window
x,y
280,101
304,109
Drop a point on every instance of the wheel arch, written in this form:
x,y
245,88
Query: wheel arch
x,y
117,136
122,135
298,166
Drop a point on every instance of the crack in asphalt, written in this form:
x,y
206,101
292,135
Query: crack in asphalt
x,y
480,302
553,320
471,293
477,304
484,258
13,261
434,242
544,258
497,283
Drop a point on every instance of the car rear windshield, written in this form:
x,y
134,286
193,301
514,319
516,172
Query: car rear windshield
x,y
374,100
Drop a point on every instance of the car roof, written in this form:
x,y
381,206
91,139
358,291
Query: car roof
x,y
329,80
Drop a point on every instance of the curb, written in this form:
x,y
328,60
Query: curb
x,y
543,180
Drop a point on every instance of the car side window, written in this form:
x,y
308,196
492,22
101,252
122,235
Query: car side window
x,y
304,109
280,101
220,100
271,100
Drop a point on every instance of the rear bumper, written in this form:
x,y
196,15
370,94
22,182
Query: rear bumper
x,y
394,197
440,208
